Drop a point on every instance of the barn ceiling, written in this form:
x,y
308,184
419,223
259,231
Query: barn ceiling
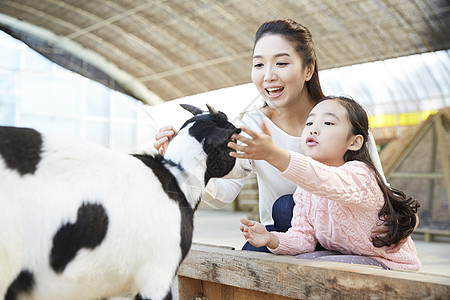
x,y
161,50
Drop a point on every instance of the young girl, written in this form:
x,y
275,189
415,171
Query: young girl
x,y
341,200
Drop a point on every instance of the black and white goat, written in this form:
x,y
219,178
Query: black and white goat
x,y
78,221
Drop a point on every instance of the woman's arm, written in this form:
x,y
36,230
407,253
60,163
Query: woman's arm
x,y
221,192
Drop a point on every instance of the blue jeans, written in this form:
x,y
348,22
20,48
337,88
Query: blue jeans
x,y
282,211
282,215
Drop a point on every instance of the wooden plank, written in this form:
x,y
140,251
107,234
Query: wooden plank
x,y
308,279
430,233
421,175
189,288
206,290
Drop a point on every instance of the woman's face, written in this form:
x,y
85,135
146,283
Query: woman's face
x,y
278,71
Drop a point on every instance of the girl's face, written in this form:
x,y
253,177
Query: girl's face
x,y
278,71
327,135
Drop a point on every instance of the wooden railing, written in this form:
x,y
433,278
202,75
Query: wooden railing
x,y
211,272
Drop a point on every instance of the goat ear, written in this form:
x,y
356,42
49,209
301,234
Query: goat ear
x,y
211,109
192,109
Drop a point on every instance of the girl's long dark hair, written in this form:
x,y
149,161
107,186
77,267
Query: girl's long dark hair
x,y
301,39
398,214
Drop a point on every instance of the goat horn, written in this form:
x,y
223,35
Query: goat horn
x,y
212,111
192,109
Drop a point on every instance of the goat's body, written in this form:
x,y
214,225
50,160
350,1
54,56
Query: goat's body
x,y
81,222
72,175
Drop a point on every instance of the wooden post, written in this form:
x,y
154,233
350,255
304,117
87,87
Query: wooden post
x,y
441,141
432,169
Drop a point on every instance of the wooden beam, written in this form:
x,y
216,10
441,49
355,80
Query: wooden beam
x,y
432,168
290,277
430,233
400,156
421,175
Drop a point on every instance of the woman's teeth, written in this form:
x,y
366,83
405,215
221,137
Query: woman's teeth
x,y
272,91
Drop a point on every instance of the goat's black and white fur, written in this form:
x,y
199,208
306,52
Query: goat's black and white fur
x,y
78,221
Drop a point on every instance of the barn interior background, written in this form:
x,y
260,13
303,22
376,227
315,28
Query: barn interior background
x,y
132,61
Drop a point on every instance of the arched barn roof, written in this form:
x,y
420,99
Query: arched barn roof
x,y
162,50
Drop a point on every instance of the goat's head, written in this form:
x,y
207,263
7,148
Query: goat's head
x,y
213,131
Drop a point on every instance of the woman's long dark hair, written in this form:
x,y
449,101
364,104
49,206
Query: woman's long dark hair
x,y
398,214
301,39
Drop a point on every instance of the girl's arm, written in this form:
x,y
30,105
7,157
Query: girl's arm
x,y
257,235
351,183
300,238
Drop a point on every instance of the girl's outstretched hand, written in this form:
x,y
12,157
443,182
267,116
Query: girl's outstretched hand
x,y
257,235
256,147
259,146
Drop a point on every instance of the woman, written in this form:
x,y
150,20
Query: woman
x,y
285,73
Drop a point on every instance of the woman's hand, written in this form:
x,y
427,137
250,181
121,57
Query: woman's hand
x,y
260,147
163,137
257,235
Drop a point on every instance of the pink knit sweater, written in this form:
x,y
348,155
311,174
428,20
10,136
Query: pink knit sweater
x,y
338,207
